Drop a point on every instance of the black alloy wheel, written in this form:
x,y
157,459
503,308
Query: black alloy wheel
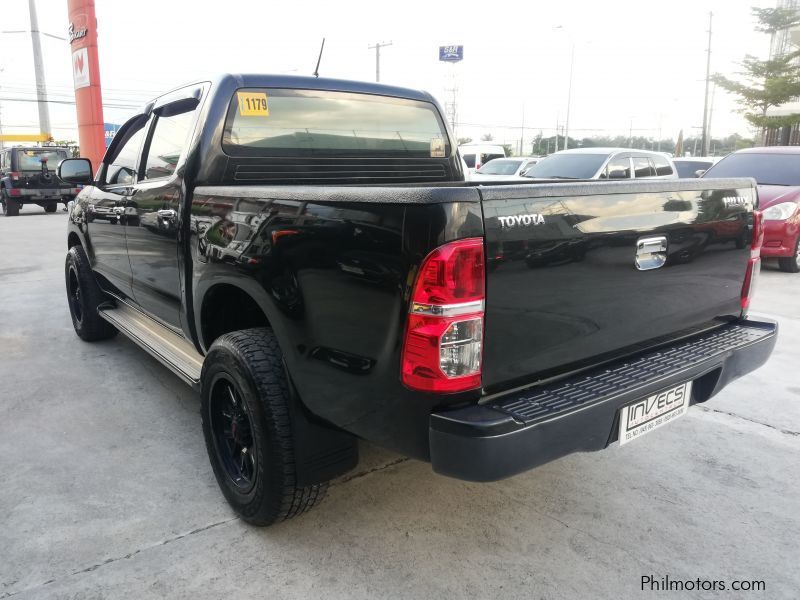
x,y
232,429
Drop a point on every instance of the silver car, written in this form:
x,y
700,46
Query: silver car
x,y
604,163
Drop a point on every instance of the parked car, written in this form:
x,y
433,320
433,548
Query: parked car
x,y
603,163
477,155
504,169
693,166
777,171
314,301
28,176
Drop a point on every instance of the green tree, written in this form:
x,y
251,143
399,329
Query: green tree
x,y
509,149
464,140
771,82
487,137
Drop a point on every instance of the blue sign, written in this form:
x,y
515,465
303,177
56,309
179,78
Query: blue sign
x,y
451,53
110,130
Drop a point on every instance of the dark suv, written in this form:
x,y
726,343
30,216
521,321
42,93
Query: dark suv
x,y
28,176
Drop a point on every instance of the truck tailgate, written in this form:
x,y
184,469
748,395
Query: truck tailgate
x,y
564,289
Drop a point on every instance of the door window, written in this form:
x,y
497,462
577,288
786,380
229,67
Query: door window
x,y
167,144
643,167
122,170
663,166
620,167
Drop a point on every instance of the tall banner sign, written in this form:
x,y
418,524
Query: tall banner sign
x,y
86,77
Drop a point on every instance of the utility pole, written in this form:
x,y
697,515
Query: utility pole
x,y
706,140
569,95
377,47
522,132
38,66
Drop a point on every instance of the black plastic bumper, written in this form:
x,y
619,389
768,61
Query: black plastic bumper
x,y
514,433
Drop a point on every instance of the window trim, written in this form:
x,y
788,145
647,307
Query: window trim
x,y
173,99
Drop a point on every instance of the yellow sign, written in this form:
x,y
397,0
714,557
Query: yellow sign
x,y
26,137
253,104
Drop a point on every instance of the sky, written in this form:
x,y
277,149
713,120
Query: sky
x,y
638,66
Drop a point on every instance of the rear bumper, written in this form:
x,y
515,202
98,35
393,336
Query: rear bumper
x,y
39,193
514,433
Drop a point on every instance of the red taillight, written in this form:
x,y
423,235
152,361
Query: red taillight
x,y
15,175
754,264
444,335
14,192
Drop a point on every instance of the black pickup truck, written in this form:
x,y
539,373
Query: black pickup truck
x,y
306,253
28,176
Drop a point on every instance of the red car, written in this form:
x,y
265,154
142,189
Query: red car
x,y
777,171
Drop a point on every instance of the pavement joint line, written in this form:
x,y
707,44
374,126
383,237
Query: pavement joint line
x,y
382,467
112,560
735,416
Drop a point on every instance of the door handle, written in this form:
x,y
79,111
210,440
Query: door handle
x,y
167,214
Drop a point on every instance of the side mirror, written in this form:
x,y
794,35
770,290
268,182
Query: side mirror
x,y
618,174
700,172
75,170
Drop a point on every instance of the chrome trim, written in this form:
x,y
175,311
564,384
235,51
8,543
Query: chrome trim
x,y
447,310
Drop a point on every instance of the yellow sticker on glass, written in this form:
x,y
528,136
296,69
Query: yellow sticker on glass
x,y
253,104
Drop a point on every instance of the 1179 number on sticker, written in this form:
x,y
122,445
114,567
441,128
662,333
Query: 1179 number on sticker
x,y
253,104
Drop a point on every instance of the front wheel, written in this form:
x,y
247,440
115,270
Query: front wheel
x,y
51,207
791,264
245,407
84,296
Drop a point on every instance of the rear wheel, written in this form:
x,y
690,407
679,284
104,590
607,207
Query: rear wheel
x,y
51,207
10,207
84,296
791,264
246,424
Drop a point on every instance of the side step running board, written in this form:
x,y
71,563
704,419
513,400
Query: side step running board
x,y
167,347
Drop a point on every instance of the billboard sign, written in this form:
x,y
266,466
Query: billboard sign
x,y
110,130
451,53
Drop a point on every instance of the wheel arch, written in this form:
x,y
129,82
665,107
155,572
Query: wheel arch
x,y
227,306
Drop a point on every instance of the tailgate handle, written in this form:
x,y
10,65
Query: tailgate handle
x,y
651,252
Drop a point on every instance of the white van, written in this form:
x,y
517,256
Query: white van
x,y
477,155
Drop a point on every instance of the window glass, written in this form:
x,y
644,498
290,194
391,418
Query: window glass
x,y
500,166
643,167
122,171
31,160
769,168
662,166
269,122
618,164
169,139
687,168
469,159
567,166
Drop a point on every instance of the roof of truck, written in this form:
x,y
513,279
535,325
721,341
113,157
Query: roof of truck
x,y
318,83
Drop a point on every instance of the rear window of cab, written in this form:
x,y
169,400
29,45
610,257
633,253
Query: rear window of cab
x,y
288,122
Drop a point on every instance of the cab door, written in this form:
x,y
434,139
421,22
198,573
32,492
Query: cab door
x,y
154,225
103,209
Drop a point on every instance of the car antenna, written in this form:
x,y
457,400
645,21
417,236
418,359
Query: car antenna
x,y
321,48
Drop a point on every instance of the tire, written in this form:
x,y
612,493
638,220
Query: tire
x,y
791,264
51,207
10,207
245,408
84,296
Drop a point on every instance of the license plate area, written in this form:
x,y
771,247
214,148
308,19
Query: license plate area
x,y
654,411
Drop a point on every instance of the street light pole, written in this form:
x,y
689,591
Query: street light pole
x,y
38,66
569,95
377,47
706,140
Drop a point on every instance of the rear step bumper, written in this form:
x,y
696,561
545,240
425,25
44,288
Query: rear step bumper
x,y
517,432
